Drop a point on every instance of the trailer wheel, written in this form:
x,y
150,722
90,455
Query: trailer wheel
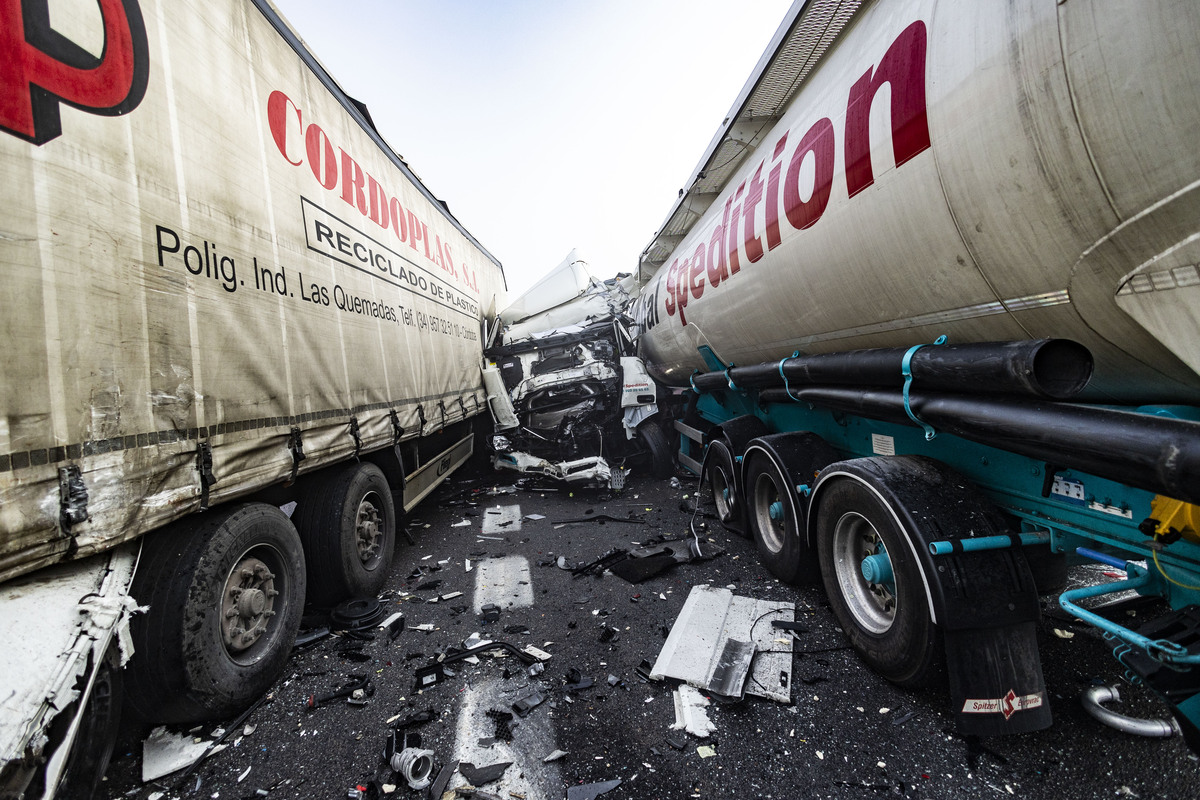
x,y
226,593
721,477
885,617
662,463
774,520
97,734
347,523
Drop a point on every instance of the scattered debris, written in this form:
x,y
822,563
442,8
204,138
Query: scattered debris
x,y
601,518
706,751
722,643
358,683
441,781
357,614
555,756
479,776
590,791
164,752
503,721
416,765
529,701
538,653
690,714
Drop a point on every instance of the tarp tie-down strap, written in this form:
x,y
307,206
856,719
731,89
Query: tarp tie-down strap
x,y
906,371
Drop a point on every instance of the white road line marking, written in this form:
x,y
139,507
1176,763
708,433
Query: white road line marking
x,y
533,740
502,519
504,582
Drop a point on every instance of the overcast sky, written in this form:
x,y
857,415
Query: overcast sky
x,y
546,125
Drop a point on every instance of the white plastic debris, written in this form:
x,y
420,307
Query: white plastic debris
x,y
555,756
690,715
540,655
391,619
164,752
461,524
242,777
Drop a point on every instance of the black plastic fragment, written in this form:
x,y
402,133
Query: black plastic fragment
x,y
676,740
529,701
438,787
590,791
478,776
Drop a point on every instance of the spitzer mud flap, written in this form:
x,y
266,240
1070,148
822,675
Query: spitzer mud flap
x,y
996,681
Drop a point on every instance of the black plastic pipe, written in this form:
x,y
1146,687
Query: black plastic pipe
x,y
1054,368
1158,454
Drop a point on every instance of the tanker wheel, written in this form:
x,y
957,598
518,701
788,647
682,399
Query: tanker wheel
x,y
874,584
774,520
347,524
226,593
721,476
662,463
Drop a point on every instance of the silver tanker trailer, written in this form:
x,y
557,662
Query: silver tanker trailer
x,y
932,299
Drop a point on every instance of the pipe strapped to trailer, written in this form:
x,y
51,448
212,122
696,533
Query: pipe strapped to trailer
x,y
931,297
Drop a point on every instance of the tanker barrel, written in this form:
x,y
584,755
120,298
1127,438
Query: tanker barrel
x,y
1053,368
1158,454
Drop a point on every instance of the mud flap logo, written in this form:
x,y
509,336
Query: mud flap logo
x,y
1007,705
40,68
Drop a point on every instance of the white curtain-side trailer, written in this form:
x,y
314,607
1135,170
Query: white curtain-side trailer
x,y
931,297
240,338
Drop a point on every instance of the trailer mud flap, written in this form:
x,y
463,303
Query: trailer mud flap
x,y
996,681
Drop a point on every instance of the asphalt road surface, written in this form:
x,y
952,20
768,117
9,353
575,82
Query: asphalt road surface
x,y
846,734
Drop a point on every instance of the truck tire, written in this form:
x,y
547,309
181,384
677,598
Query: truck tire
x,y
774,521
226,593
887,622
88,759
347,524
720,474
662,463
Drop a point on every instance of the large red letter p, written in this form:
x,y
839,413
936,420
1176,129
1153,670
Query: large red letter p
x,y
40,68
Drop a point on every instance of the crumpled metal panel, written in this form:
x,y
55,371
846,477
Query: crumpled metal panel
x,y
724,644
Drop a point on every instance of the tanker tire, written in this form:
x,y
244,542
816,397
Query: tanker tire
x,y
184,669
347,524
662,463
721,477
890,628
773,523
97,733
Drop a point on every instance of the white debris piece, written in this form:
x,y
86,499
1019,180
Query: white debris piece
x,y
540,655
690,715
164,752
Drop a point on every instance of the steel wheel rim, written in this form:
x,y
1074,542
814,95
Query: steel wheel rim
x,y
873,605
771,531
368,531
722,490
248,603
